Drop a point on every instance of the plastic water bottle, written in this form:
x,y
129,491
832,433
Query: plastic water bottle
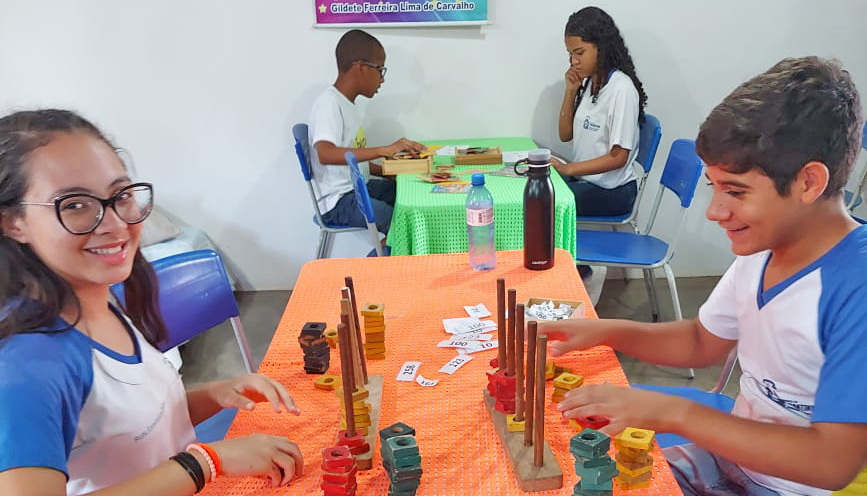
x,y
480,225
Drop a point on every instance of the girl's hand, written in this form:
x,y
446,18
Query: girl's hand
x,y
622,406
573,80
273,457
560,166
245,391
572,334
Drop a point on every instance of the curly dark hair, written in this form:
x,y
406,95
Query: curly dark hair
x,y
595,26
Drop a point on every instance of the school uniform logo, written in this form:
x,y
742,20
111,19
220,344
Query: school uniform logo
x,y
590,126
770,390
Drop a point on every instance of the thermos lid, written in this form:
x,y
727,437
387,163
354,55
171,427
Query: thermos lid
x,y
478,179
539,158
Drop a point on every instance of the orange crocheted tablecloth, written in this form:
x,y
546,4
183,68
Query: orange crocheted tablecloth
x,y
461,453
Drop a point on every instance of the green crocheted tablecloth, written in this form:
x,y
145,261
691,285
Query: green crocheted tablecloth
x,y
426,223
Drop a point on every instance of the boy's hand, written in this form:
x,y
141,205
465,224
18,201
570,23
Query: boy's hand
x,y
403,145
623,407
572,334
273,457
245,391
573,80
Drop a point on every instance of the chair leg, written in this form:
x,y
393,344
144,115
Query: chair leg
x,y
625,279
675,301
374,238
329,245
242,343
323,241
650,285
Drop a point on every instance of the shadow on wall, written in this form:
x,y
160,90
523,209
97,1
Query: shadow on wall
x,y
286,226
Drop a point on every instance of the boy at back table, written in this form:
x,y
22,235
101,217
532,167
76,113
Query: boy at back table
x,y
335,127
779,150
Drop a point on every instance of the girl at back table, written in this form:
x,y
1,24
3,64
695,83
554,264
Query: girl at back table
x,y
602,107
88,405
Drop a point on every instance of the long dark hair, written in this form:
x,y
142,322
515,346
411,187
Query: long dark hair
x,y
32,296
595,26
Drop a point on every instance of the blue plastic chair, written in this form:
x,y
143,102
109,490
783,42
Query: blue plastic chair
x,y
363,199
853,198
326,231
642,251
650,132
195,295
712,398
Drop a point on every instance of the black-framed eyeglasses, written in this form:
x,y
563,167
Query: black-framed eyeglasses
x,y
81,213
381,68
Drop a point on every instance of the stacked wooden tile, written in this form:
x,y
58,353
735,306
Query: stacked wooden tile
x,y
360,413
633,458
401,459
317,355
502,386
592,463
374,331
564,383
338,472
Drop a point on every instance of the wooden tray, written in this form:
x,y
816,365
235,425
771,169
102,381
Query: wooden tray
x,y
578,310
493,156
392,167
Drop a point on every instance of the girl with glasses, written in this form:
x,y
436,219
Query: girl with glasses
x,y
87,403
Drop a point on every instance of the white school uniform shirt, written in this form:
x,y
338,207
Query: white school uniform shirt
x,y
73,405
800,343
611,120
335,119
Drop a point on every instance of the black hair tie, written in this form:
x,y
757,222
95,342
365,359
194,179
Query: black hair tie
x,y
193,468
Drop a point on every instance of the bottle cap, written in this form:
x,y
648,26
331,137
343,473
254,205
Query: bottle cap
x,y
539,157
478,179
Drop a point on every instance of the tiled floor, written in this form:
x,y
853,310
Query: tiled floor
x,y
214,355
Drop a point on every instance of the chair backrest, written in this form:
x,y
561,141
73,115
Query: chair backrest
x,y
681,175
302,149
360,186
649,135
194,294
682,170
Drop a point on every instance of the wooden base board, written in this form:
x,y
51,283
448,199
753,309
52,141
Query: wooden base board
x,y
530,477
364,461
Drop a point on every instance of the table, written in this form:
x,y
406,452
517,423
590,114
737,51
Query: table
x,y
460,451
426,223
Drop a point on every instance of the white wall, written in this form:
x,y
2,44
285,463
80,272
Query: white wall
x,y
204,92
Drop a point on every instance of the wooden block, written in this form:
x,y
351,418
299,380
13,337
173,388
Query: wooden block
x,y
589,444
529,477
633,462
375,337
358,409
627,486
327,382
491,155
568,381
575,425
343,478
373,310
549,370
374,387
359,422
344,439
378,356
632,437
630,470
359,394
374,320
395,429
632,479
375,347
337,459
391,166
512,425
557,398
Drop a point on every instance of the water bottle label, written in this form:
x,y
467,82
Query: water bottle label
x,y
480,216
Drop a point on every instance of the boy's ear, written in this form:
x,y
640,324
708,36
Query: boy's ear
x,y
10,226
811,182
